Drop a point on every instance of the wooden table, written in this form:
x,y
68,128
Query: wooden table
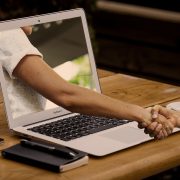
x,y
134,163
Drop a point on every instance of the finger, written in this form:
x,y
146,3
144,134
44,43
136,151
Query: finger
x,y
169,127
163,111
146,131
162,120
158,129
151,134
160,135
168,130
155,111
154,114
157,137
152,127
142,125
173,121
164,133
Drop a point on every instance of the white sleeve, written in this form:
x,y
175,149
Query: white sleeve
x,y
14,45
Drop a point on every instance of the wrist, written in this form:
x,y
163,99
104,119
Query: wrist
x,y
142,115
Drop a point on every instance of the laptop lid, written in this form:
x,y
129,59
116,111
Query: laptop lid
x,y
64,41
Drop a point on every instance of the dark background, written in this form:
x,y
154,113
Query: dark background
x,y
138,45
124,43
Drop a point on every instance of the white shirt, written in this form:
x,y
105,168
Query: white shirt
x,y
14,45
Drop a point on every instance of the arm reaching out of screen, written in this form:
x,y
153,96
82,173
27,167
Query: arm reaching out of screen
x,y
37,74
33,71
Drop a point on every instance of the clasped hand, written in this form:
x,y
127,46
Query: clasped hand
x,y
162,124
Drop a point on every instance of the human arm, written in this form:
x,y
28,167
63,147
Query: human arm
x,y
22,60
37,74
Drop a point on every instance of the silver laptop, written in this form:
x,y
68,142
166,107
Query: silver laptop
x,y
64,41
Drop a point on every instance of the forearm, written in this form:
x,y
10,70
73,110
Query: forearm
x,y
36,73
89,102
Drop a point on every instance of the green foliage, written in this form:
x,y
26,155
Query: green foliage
x,y
83,77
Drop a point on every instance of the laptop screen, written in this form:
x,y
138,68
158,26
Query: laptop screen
x,y
64,48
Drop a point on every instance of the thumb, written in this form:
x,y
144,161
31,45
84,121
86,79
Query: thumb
x,y
155,111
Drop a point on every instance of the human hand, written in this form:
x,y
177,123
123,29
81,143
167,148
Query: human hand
x,y
160,126
152,128
171,115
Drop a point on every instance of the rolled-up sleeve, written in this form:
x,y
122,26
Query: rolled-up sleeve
x,y
14,45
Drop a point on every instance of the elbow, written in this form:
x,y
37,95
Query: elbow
x,y
68,97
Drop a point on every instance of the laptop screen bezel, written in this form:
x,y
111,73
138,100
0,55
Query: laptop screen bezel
x,y
34,20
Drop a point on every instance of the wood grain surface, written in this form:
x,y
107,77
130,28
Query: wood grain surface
x,y
137,90
134,163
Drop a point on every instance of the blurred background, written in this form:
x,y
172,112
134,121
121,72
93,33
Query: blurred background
x,y
137,37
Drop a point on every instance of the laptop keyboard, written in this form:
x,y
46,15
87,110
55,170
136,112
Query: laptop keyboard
x,y
77,126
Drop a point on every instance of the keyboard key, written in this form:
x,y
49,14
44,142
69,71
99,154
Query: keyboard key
x,y
77,126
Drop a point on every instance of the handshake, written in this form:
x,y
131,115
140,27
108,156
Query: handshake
x,y
163,122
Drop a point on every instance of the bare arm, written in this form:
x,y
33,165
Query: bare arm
x,y
37,74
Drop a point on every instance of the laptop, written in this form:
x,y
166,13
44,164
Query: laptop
x,y
64,41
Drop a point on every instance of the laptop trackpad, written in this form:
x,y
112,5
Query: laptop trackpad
x,y
126,135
